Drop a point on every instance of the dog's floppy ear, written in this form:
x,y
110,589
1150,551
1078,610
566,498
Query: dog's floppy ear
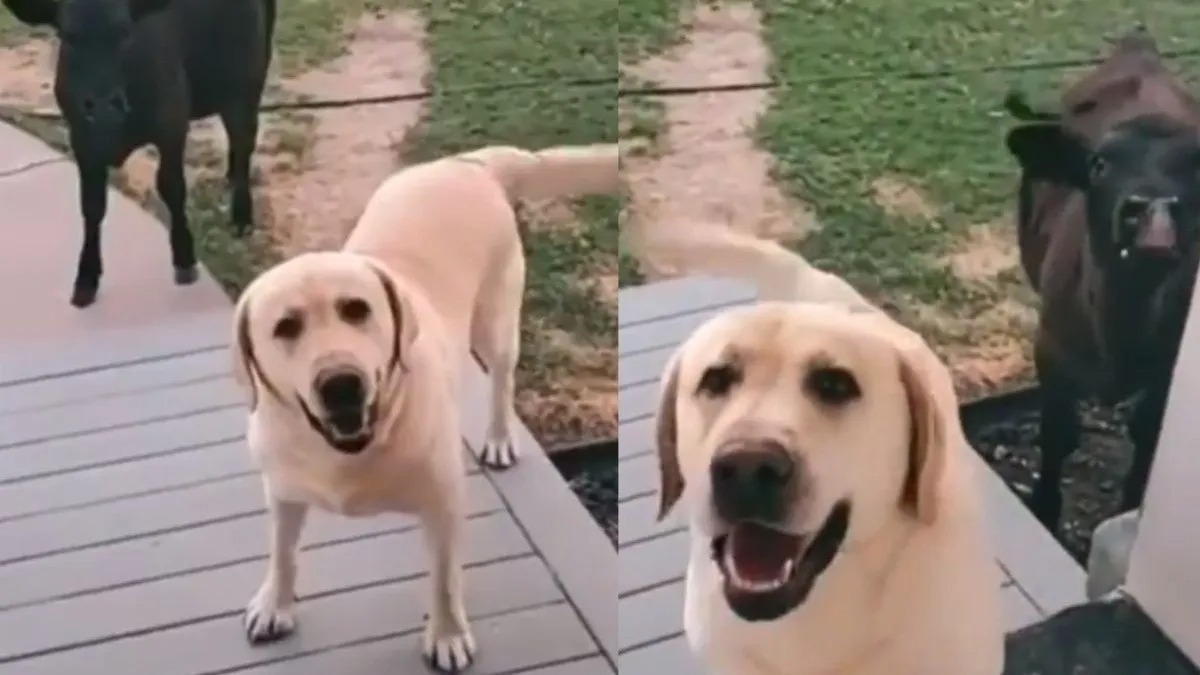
x,y
666,438
403,318
242,350
921,372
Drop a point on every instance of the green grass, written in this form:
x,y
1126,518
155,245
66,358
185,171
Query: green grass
x,y
945,136
569,332
647,26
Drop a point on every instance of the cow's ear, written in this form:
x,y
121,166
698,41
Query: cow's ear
x,y
142,8
34,12
1048,151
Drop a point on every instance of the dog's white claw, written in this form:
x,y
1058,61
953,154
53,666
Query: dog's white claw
x,y
448,653
499,454
266,622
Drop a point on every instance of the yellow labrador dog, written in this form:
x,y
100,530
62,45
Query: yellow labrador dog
x,y
816,447
351,361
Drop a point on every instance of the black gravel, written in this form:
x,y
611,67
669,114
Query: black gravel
x,y
591,474
1006,436
1109,638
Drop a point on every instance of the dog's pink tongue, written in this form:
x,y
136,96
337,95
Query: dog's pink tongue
x,y
760,553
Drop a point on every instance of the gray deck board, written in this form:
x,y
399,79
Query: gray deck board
x,y
132,533
1036,576
114,348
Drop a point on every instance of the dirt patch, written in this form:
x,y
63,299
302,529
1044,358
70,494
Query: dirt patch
x,y
28,75
705,166
899,198
351,150
986,251
315,170
986,350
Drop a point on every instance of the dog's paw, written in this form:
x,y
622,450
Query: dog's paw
x,y
499,454
266,622
448,652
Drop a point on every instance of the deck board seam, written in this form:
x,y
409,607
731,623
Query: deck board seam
x,y
212,567
25,442
554,577
179,487
183,449
84,370
551,663
192,621
651,642
470,471
651,537
109,395
653,586
691,311
362,642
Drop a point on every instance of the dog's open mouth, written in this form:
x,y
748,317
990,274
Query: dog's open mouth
x,y
347,431
768,572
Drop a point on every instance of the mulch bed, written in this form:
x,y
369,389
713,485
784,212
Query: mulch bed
x,y
1005,433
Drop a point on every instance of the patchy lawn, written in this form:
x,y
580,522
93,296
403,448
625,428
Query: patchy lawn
x,y
566,387
910,178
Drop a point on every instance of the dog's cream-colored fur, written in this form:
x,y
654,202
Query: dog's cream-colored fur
x,y
914,589
436,258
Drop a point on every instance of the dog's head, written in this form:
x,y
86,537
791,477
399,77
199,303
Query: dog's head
x,y
797,429
325,335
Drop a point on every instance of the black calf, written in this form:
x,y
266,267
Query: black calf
x,y
136,72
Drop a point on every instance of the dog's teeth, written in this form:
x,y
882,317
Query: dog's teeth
x,y
787,571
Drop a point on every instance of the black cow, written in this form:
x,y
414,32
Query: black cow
x,y
136,72
1109,233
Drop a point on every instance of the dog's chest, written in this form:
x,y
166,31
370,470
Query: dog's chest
x,y
349,488
362,495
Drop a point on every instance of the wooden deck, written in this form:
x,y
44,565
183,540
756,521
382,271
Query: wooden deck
x,y
1037,576
132,530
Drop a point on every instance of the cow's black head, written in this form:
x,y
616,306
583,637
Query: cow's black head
x,y
1141,181
90,83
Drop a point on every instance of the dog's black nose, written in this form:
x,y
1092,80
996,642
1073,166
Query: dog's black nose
x,y
342,391
754,480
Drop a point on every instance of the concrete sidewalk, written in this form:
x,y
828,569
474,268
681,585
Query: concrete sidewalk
x,y
41,230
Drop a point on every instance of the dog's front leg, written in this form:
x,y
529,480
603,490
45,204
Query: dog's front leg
x,y
448,644
270,615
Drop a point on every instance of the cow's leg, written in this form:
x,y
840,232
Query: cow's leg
x,y
93,203
241,128
1144,430
172,189
1058,438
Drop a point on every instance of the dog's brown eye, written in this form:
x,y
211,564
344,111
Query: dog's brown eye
x,y
288,328
718,380
833,385
354,310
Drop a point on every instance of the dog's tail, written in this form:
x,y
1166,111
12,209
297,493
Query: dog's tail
x,y
776,272
563,171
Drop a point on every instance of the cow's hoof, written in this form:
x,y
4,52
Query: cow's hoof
x,y
186,275
83,296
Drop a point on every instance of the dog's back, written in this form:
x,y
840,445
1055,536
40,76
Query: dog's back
x,y
448,225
